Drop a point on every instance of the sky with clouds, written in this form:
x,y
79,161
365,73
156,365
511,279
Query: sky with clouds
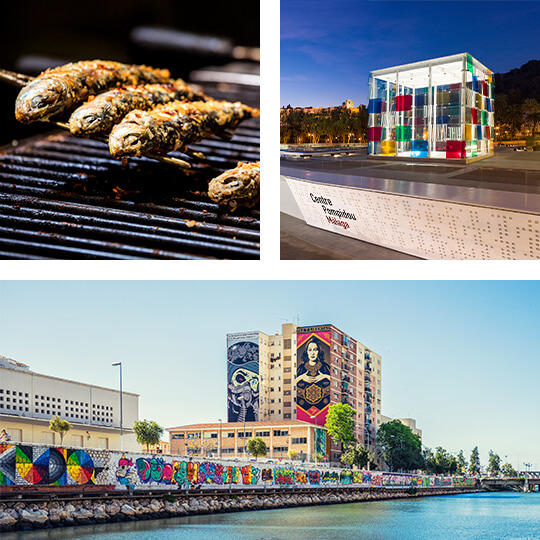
x,y
328,47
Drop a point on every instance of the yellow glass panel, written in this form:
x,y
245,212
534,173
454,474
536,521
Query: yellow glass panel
x,y
468,132
388,148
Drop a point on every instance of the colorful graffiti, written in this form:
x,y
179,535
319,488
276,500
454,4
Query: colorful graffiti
x,y
313,373
35,465
243,377
40,465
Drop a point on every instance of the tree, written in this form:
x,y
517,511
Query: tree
x,y
531,109
399,446
357,455
292,454
474,465
59,426
494,463
509,471
340,424
209,446
318,457
256,447
147,432
461,463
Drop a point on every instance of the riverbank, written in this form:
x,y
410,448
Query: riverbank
x,y
38,515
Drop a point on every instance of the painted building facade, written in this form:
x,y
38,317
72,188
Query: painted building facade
x,y
342,370
28,401
227,439
441,108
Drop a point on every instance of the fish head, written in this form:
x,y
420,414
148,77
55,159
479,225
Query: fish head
x,y
129,136
40,100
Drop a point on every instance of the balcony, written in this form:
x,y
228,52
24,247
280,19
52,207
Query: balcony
x,y
345,377
367,390
368,367
367,378
367,356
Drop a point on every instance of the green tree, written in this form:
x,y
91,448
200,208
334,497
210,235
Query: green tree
x,y
147,432
357,455
509,471
494,463
257,447
318,457
441,462
474,465
531,110
461,463
59,426
399,446
340,424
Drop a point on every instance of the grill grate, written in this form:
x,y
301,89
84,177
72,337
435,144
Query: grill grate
x,y
67,198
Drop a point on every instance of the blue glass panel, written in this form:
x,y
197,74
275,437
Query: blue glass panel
x,y
375,105
419,149
479,132
475,83
445,119
488,105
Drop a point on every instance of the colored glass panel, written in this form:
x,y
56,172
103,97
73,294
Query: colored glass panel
x,y
455,149
485,88
488,132
443,119
475,83
474,116
484,118
468,132
488,104
403,133
375,105
469,63
420,100
388,148
374,133
479,132
403,103
419,149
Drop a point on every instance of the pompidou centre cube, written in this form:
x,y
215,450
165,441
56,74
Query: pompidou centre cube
x,y
439,109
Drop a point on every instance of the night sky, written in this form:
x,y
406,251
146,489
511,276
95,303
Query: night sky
x,y
328,47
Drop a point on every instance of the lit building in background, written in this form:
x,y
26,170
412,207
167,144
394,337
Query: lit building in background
x,y
298,373
441,108
29,400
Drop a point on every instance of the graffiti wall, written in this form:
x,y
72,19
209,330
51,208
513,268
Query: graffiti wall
x,y
243,377
313,373
40,465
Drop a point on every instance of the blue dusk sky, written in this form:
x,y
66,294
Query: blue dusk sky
x,y
328,47
462,358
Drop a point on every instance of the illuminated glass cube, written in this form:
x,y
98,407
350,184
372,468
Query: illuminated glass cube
x,y
438,109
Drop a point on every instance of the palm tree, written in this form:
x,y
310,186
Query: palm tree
x,y
531,110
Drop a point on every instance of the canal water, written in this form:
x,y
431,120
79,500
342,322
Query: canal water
x,y
475,516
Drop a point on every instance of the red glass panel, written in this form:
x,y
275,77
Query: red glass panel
x,y
374,133
455,149
474,114
404,103
484,88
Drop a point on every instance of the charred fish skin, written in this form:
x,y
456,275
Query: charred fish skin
x,y
239,186
174,126
101,113
60,89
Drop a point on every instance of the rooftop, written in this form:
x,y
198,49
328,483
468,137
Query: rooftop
x,y
229,425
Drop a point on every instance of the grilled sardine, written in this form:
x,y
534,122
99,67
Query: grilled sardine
x,y
239,186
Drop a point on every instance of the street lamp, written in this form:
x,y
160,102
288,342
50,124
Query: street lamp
x,y
220,437
121,412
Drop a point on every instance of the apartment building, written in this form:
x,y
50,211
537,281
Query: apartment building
x,y
298,373
29,400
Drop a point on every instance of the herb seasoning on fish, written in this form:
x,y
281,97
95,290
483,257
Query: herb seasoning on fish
x,y
174,125
239,186
101,113
60,89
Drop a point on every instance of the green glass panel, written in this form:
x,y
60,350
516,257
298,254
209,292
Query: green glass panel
x,y
469,63
454,109
403,133
484,118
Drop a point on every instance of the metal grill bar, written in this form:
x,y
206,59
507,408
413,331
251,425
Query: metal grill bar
x,y
62,197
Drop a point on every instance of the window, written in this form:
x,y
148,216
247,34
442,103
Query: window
x,y
299,440
286,343
287,415
230,435
177,436
262,433
281,448
227,450
280,433
241,434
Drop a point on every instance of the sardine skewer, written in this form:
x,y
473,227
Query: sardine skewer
x,y
165,159
174,126
60,89
99,114
239,186
15,79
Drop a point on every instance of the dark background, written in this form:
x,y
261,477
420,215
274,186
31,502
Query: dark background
x,y
70,30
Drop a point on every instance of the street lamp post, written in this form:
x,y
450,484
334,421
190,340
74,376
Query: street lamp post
x,y
121,411
220,437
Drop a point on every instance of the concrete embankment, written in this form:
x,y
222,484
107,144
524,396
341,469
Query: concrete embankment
x,y
39,515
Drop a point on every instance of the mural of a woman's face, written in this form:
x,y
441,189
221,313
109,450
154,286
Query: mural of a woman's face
x,y
313,352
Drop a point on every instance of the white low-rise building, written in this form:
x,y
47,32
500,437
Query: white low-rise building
x,y
29,400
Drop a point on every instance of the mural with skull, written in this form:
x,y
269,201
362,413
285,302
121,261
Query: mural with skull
x,y
243,377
